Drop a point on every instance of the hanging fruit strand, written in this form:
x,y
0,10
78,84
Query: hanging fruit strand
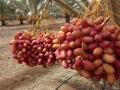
x,y
38,23
46,24
105,21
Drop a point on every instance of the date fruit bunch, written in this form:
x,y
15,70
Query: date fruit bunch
x,y
92,47
33,50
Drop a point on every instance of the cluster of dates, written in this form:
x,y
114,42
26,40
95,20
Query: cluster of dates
x,y
91,47
33,50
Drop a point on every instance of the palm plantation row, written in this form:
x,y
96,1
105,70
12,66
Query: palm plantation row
x,y
25,9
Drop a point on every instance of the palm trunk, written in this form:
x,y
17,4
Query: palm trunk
x,y
21,21
67,7
3,22
67,17
29,20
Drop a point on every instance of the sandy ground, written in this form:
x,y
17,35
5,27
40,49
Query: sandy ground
x,y
14,76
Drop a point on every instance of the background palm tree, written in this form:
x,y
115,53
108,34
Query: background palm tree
x,y
5,11
20,8
26,7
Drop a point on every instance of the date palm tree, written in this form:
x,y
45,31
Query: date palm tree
x,y
33,7
4,11
26,7
20,8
